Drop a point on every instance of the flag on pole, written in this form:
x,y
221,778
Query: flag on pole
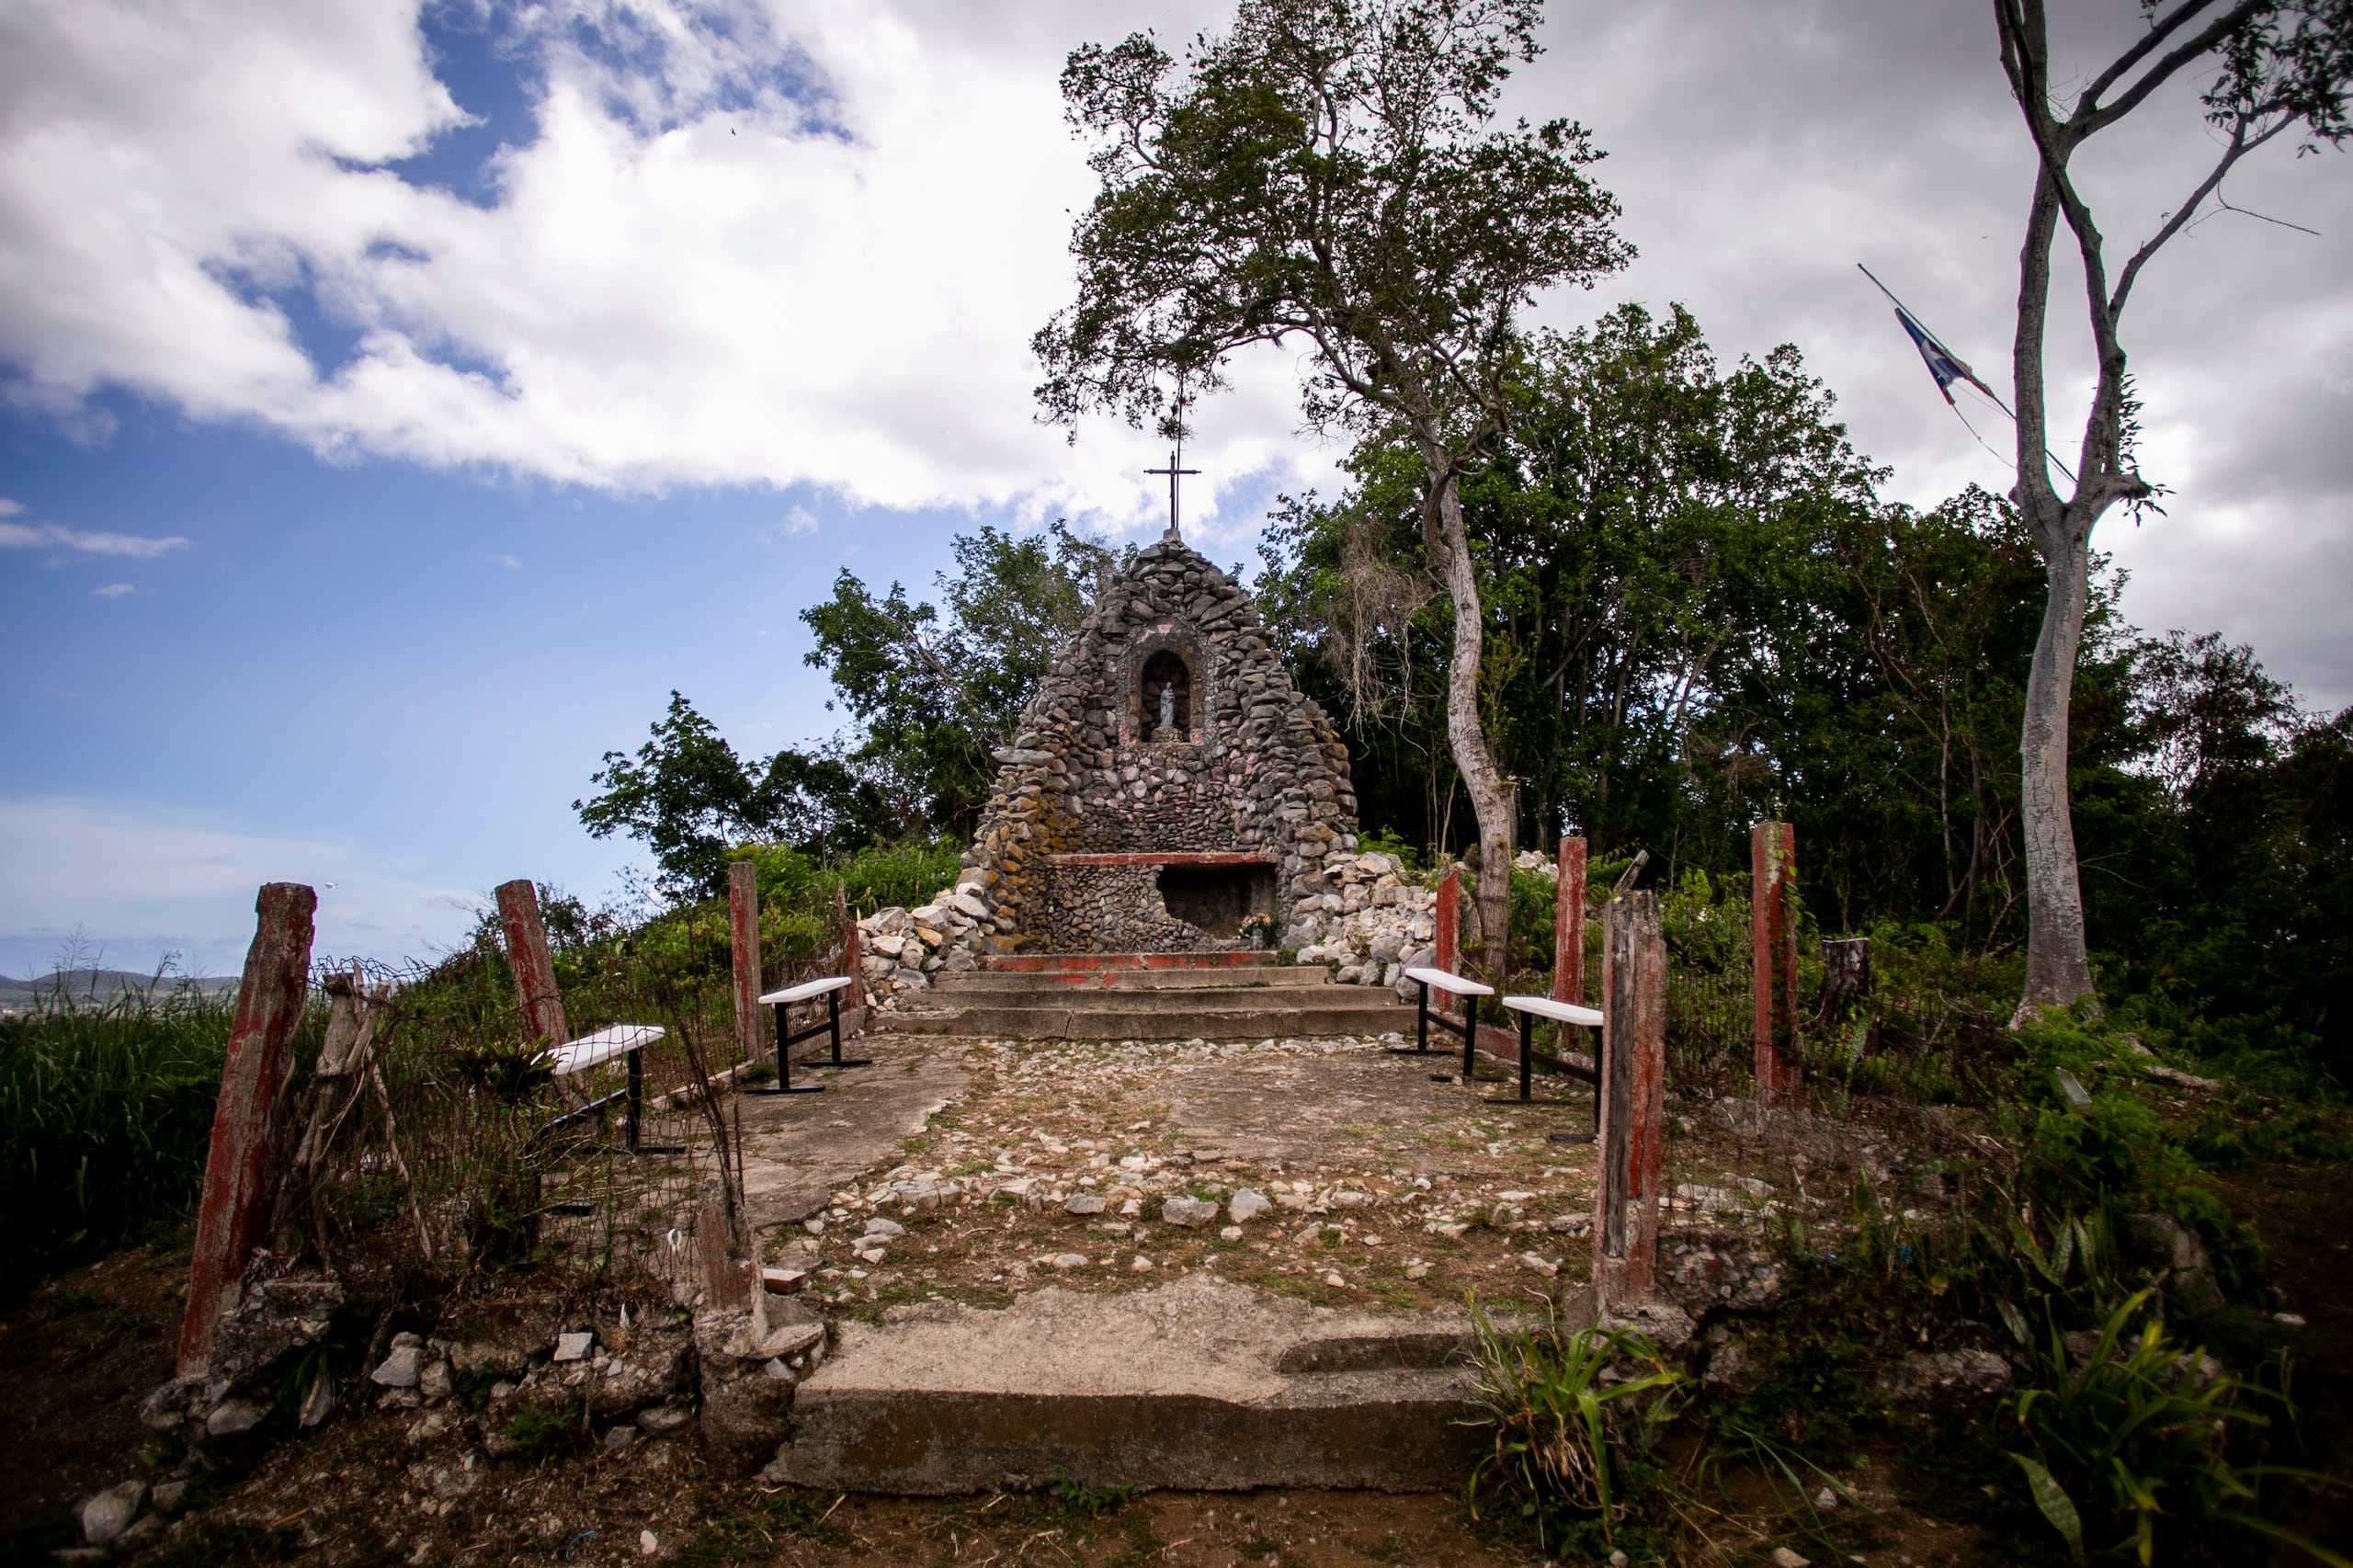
x,y
1942,363
1948,367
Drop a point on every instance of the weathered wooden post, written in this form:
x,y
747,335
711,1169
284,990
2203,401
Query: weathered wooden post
x,y
1845,974
1568,925
744,942
1634,1100
1773,967
237,1193
526,956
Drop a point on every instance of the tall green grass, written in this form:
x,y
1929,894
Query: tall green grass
x,y
104,1113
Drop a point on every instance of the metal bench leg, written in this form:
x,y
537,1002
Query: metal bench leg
x,y
633,1113
784,1084
634,1107
1527,1052
1421,1046
833,1028
1469,1035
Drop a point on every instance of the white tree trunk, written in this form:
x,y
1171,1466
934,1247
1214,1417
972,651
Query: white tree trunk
x,y
1481,779
2058,971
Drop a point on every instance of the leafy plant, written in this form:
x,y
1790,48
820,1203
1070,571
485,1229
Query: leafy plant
x,y
2135,1431
1565,1417
105,1111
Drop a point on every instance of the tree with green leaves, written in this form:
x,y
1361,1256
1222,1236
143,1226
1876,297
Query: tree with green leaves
x,y
1331,172
1648,528
688,798
2271,67
935,694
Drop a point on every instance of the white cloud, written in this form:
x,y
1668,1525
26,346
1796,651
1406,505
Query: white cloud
x,y
10,509
804,243
33,536
681,280
142,877
111,591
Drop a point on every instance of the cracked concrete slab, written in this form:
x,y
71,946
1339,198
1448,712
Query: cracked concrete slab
x,y
1200,1383
799,1148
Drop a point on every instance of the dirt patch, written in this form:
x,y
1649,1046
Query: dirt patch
x,y
78,1352
367,1490
2299,1208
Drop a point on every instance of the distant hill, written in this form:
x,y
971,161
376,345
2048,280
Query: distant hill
x,y
101,986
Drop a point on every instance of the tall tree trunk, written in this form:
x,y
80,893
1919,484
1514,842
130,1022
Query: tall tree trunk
x,y
2058,970
1481,779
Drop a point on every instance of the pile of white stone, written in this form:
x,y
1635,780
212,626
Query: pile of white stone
x,y
903,949
1370,926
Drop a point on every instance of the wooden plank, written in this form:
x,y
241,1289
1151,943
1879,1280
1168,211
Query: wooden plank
x,y
1162,858
743,951
237,1176
1631,1138
1450,921
1773,964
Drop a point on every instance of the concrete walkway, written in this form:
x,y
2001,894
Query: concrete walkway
x,y
1153,1264
799,1148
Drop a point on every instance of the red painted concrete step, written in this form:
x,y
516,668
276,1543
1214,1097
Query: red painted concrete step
x,y
1063,963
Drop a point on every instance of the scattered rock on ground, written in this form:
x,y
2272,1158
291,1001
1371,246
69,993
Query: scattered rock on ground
x,y
106,1517
400,1369
1918,1379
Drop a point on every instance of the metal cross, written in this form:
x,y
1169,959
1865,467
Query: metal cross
x,y
1175,474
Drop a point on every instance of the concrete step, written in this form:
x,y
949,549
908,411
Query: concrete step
x,y
1123,999
1217,957
1029,982
1335,1010
1195,1384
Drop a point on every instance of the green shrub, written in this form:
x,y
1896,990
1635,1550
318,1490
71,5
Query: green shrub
x,y
106,1112
1381,841
1567,1441
2137,1431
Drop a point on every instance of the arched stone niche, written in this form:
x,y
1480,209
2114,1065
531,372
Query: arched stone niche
x,y
1164,657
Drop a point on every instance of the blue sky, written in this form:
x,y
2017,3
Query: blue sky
x,y
396,402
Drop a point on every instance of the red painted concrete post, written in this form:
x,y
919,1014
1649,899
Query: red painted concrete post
x,y
1450,929
1568,925
743,947
237,1176
1450,920
1773,962
526,956
1631,1138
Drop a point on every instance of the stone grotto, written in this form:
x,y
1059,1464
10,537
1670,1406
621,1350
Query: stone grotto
x,y
1168,791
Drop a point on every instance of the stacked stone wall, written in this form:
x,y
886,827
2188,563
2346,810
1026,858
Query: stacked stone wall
x,y
1257,767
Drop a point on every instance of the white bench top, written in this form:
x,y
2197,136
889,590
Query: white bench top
x,y
1545,1007
594,1050
802,991
1439,980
